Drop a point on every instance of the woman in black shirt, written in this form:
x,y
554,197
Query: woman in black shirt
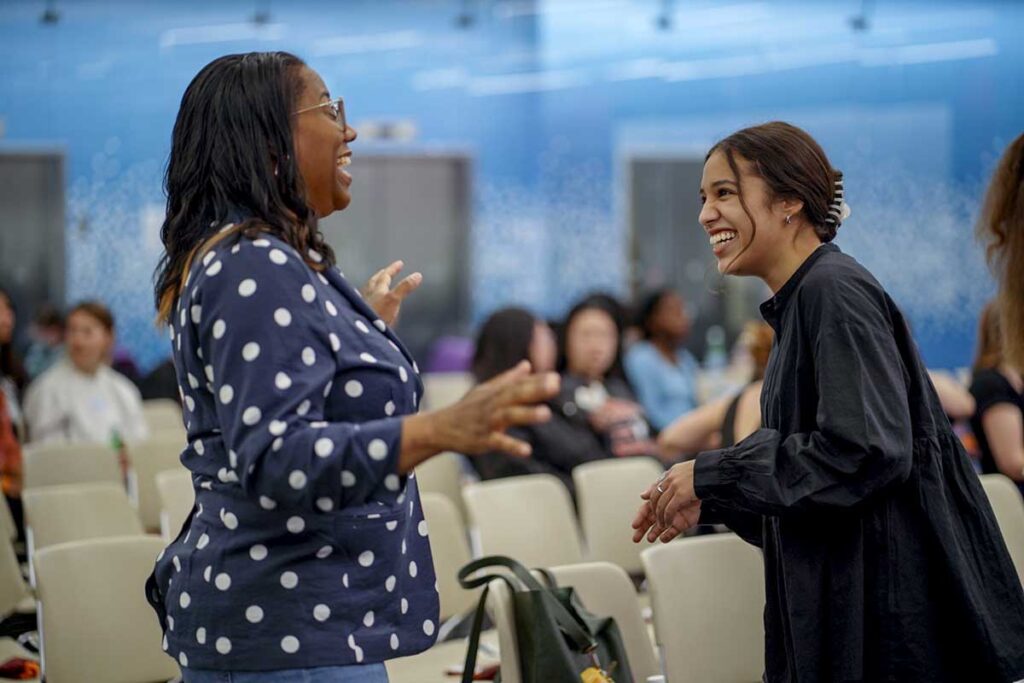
x,y
998,390
883,560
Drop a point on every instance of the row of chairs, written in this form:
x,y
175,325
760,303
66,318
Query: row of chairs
x,y
706,594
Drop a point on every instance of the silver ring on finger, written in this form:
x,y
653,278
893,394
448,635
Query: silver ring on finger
x,y
660,490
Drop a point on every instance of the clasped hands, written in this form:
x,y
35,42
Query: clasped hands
x,y
670,506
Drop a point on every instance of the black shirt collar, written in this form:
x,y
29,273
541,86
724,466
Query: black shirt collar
x,y
771,310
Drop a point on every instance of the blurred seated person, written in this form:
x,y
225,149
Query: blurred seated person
x,y
592,396
663,373
10,466
956,400
81,399
507,337
998,391
161,382
726,421
46,345
13,377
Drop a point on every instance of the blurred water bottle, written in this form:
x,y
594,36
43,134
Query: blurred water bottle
x,y
716,360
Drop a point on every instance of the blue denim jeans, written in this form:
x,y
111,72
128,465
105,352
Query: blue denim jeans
x,y
360,673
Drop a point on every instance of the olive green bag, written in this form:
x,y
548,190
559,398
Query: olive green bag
x,y
559,640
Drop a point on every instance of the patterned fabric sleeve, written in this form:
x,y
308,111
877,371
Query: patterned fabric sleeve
x,y
270,360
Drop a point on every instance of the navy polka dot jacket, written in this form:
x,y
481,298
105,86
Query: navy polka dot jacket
x,y
306,547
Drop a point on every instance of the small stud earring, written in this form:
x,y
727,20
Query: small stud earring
x,y
788,219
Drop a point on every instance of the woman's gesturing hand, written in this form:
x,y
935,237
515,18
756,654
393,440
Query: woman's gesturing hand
x,y
477,423
382,298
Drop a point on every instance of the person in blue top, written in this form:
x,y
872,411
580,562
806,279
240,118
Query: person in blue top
x,y
306,557
662,372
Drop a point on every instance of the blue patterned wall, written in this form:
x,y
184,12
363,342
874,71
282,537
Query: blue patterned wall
x,y
549,96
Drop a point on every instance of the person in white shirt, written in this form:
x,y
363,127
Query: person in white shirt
x,y
80,398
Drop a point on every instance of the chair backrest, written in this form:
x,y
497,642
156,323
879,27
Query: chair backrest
x,y
443,474
95,622
177,498
707,593
51,464
75,512
605,590
13,588
150,457
162,414
441,389
8,527
450,549
608,497
1008,506
528,518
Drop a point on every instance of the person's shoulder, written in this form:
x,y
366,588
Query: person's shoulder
x,y
641,351
989,381
121,383
243,261
839,289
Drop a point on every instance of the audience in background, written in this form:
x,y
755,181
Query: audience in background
x,y
47,341
507,337
998,390
725,421
12,374
161,382
592,397
660,370
10,465
1001,229
81,398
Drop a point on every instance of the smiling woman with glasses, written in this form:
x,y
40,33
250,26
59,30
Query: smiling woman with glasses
x,y
306,557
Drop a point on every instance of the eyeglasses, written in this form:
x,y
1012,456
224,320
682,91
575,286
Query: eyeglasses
x,y
337,107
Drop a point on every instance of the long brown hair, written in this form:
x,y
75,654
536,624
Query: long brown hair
x,y
1001,230
793,166
232,152
990,338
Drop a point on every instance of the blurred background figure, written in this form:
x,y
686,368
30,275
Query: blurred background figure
x,y
13,378
81,398
507,337
46,340
660,369
725,421
593,393
998,390
1001,229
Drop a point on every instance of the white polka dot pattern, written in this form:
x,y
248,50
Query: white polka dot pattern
x,y
294,364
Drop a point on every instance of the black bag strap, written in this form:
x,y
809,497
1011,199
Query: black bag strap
x,y
567,622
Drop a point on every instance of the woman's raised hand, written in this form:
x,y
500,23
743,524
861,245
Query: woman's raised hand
x,y
477,423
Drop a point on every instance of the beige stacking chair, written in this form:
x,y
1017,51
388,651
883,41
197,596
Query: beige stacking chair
x,y
450,549
177,498
441,389
605,590
157,454
75,512
50,464
163,415
15,595
707,593
94,619
1008,506
528,518
443,474
608,497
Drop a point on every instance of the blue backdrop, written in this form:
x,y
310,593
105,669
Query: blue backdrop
x,y
550,96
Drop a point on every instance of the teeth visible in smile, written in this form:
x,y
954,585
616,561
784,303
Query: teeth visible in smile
x,y
344,161
721,237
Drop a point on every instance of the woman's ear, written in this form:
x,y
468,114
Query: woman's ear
x,y
788,208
